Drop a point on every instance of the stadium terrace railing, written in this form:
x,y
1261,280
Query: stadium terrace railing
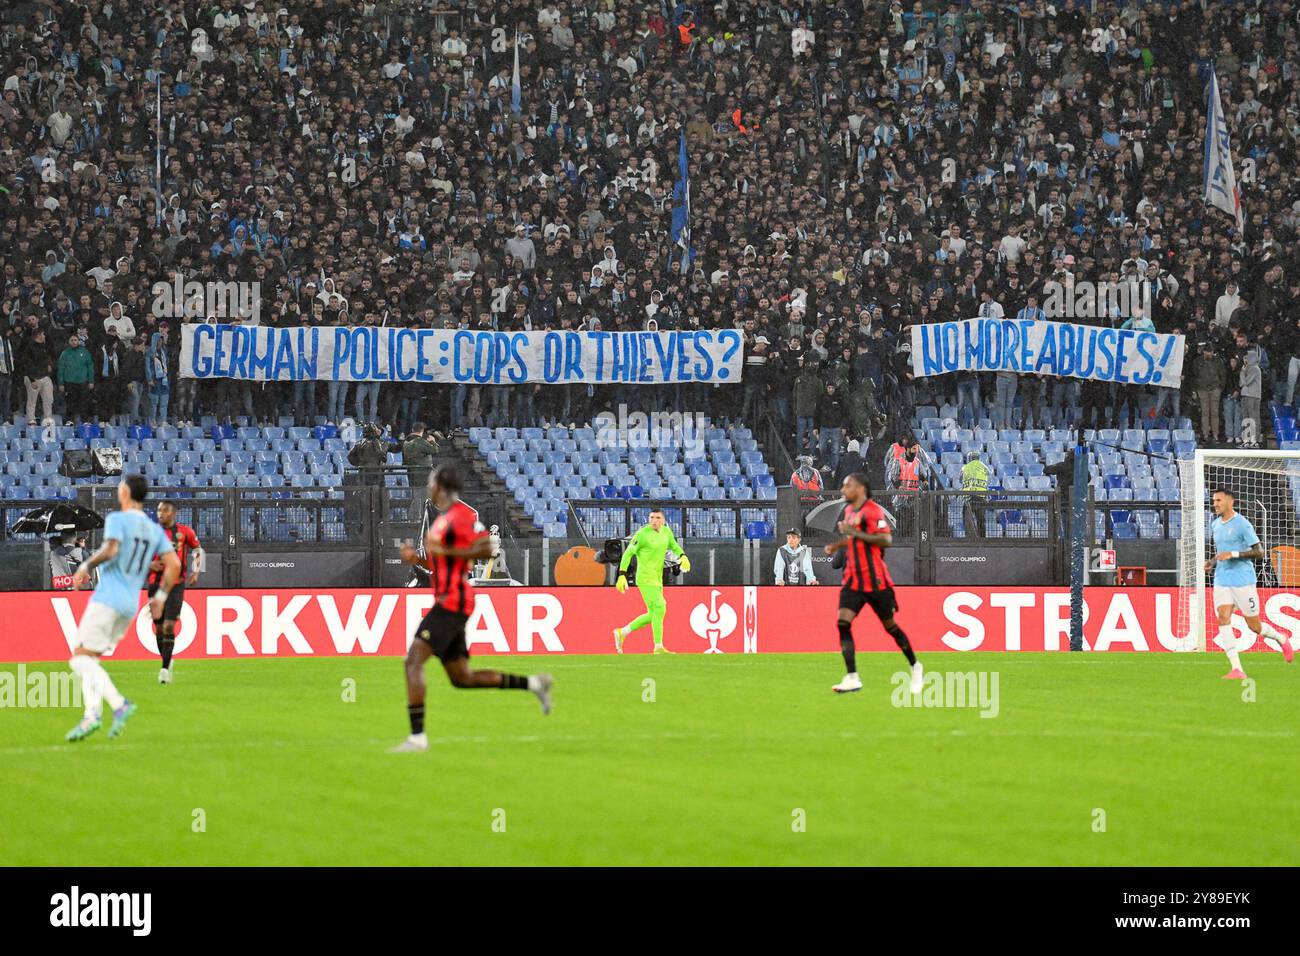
x,y
350,536
597,519
261,537
778,454
943,537
1143,534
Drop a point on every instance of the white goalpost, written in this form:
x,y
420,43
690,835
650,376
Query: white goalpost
x,y
1266,485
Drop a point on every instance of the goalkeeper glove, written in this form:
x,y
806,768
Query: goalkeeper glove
x,y
685,563
621,583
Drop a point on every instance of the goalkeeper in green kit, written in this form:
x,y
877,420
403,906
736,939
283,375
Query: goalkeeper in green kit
x,y
649,546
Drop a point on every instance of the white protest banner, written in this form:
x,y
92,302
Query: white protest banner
x,y
476,357
1127,356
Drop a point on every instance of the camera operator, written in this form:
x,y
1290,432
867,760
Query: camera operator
x,y
370,455
417,456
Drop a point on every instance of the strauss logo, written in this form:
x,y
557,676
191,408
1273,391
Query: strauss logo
x,y
713,622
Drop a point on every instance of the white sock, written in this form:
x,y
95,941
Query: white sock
x,y
1228,641
83,666
533,683
420,738
106,688
1266,630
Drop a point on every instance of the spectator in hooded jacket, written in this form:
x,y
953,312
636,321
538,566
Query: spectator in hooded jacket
x,y
158,379
132,376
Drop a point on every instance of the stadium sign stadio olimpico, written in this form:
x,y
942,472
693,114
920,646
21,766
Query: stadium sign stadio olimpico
x,y
577,620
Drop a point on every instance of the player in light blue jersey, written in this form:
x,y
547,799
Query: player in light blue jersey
x,y
1236,548
131,539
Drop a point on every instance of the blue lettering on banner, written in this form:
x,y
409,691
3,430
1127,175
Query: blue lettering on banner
x,y
404,371
599,338
1050,348
517,367
618,360
500,354
464,347
640,370
704,366
219,354
483,357
1025,331
421,358
977,345
734,342
342,351
950,354
1106,346
201,364
662,353
390,354
284,363
1123,338
260,364
572,357
1068,359
553,358
360,355
1047,351
931,350
307,356
1170,346
238,351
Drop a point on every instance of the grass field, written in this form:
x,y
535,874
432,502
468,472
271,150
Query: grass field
x,y
714,771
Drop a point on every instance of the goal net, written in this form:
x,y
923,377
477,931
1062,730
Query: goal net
x,y
1266,486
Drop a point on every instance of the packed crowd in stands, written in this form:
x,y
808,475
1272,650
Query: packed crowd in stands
x,y
856,167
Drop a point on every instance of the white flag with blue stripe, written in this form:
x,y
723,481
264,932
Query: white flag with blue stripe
x,y
516,91
1220,188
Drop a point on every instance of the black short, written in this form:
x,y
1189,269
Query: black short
x,y
175,598
883,602
444,631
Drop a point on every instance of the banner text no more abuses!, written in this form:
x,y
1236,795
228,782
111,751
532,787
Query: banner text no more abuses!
x,y
1062,349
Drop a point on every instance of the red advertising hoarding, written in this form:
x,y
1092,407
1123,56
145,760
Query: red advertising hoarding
x,y
40,626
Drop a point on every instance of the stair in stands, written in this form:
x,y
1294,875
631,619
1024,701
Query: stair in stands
x,y
482,475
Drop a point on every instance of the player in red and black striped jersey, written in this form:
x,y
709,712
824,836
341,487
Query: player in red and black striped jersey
x,y
455,540
867,534
190,552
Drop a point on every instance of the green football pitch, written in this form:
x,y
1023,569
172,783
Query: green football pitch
x,y
1117,759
